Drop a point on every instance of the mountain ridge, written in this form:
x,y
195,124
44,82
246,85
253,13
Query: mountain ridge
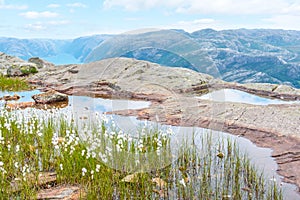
x,y
240,55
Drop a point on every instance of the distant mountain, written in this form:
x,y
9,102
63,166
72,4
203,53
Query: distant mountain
x,y
165,58
81,47
242,55
27,48
56,51
258,55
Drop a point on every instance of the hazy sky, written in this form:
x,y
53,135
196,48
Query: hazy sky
x,y
69,19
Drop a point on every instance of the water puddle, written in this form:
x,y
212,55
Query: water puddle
x,y
83,104
231,95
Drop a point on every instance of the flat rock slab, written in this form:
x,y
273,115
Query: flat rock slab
x,y
63,192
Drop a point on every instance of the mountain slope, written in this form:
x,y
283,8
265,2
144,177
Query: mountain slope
x,y
56,51
258,55
27,48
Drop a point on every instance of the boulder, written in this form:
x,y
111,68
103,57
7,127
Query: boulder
x,y
40,63
10,97
22,69
50,97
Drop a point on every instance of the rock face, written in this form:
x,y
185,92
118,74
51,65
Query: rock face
x,y
121,77
6,61
50,97
40,63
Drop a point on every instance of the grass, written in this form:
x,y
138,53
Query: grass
x,y
111,164
13,84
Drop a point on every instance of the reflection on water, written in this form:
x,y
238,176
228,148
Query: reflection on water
x,y
25,95
230,95
82,104
89,104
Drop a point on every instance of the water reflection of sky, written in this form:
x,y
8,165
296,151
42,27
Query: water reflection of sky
x,y
104,105
230,95
25,96
82,103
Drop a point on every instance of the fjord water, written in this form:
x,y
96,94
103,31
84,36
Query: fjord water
x,y
231,95
84,108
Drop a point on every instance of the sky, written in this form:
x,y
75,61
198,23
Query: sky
x,y
65,19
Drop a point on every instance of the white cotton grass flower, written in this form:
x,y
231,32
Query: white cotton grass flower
x,y
93,155
182,182
16,164
82,153
98,168
1,138
84,171
92,174
8,147
103,157
61,167
17,148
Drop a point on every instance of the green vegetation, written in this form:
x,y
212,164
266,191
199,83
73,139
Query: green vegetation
x,y
26,70
87,153
13,84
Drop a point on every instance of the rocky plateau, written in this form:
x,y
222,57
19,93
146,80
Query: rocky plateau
x,y
172,92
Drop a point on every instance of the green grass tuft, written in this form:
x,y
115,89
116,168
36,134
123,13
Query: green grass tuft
x,y
13,84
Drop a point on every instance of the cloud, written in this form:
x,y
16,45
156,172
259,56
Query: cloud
x,y
197,21
194,25
11,6
36,15
282,21
60,22
54,6
230,7
132,19
41,26
77,5
132,5
36,27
